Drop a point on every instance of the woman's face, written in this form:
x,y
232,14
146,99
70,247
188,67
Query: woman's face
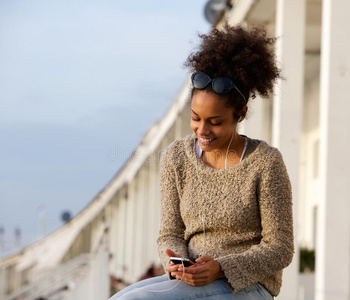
x,y
212,121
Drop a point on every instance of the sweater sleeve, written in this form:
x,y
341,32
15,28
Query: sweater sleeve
x,y
275,250
172,228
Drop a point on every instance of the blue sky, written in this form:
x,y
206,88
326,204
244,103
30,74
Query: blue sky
x,y
79,79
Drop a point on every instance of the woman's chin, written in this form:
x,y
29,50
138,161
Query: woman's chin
x,y
206,145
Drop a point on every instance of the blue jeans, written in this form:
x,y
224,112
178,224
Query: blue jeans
x,y
217,290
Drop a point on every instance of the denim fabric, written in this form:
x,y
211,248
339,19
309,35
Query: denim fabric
x,y
217,290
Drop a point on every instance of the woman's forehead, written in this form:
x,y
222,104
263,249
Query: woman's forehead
x,y
209,104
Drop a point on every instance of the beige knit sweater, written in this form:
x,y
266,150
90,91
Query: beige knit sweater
x,y
248,213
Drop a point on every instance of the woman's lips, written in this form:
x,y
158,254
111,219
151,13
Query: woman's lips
x,y
205,142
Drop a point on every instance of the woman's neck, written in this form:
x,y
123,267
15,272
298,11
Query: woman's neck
x,y
216,158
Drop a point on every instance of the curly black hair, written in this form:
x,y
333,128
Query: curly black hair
x,y
246,56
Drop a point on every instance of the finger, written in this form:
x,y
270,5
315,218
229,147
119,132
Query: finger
x,y
204,258
195,269
177,275
196,282
190,267
192,278
171,253
173,268
171,271
199,283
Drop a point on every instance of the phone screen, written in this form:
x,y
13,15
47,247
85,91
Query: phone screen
x,y
179,260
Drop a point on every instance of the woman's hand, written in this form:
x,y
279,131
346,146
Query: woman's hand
x,y
172,267
203,272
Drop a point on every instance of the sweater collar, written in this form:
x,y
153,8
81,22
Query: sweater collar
x,y
252,149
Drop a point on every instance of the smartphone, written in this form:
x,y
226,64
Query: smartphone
x,y
179,260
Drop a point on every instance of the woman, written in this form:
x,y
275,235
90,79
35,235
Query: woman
x,y
226,198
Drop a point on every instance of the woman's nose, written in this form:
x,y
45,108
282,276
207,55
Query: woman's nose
x,y
203,129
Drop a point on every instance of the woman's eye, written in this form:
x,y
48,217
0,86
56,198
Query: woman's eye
x,y
197,120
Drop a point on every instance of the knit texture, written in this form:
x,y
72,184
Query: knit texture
x,y
248,213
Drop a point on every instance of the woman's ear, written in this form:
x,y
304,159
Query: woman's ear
x,y
243,113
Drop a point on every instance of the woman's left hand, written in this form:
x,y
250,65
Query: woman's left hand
x,y
205,271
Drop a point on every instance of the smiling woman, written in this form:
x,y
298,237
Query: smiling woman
x,y
214,125
231,215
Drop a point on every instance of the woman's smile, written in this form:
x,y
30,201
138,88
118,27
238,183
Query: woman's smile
x,y
205,142
211,121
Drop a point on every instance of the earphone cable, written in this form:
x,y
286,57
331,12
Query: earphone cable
x,y
203,223
161,291
205,194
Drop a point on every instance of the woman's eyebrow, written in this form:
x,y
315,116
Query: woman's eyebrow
x,y
209,117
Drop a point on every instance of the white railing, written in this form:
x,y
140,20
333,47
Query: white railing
x,y
86,275
54,281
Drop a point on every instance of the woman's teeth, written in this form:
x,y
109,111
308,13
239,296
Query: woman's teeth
x,y
206,140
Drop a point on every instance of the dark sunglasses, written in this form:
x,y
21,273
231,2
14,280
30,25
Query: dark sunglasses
x,y
220,85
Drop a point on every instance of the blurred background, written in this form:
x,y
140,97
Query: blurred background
x,y
92,91
80,84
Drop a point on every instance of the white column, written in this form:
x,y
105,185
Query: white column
x,y
113,232
287,111
138,225
130,233
178,127
121,237
152,226
145,217
185,116
157,202
100,282
333,239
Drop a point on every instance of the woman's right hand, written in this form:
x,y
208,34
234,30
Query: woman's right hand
x,y
172,267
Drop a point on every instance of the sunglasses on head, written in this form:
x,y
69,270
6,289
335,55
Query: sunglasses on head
x,y
220,85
